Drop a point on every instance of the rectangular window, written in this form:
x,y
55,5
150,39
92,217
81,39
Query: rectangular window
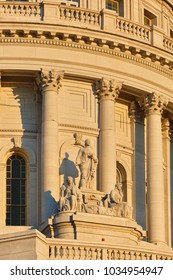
x,y
112,5
149,18
147,21
72,3
171,33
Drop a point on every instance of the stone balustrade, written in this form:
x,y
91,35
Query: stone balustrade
x,y
133,29
20,9
79,15
51,12
60,250
168,44
35,11
35,243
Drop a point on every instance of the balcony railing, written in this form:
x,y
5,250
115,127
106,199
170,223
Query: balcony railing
x,y
20,9
168,44
134,29
63,250
76,14
37,11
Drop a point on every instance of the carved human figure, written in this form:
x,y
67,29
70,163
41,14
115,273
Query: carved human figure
x,y
70,195
86,160
116,195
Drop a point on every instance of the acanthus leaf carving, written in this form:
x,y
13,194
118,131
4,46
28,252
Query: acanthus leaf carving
x,y
108,89
153,103
49,78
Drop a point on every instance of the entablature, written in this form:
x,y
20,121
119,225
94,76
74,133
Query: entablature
x,y
54,15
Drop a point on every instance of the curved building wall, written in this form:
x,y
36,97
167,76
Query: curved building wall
x,y
83,43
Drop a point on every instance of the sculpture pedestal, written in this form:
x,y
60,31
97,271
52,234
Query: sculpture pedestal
x,y
93,228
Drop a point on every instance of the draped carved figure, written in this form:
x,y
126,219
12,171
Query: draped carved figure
x,y
87,161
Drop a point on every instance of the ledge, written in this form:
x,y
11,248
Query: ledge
x,y
49,12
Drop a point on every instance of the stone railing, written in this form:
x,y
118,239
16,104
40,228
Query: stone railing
x,y
79,15
20,9
134,29
168,44
64,251
53,13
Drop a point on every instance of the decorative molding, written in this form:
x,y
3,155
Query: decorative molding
x,y
166,128
49,79
153,103
108,89
18,130
75,127
17,142
158,63
135,111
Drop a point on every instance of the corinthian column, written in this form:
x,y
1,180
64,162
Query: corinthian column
x,y
49,83
154,105
108,91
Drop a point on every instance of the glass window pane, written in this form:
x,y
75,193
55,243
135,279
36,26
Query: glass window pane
x,y
16,169
15,215
15,190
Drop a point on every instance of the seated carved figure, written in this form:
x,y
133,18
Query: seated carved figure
x,y
116,203
116,195
70,196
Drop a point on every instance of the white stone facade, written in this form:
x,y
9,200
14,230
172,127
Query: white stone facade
x,y
77,70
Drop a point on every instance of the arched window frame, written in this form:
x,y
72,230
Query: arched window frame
x,y
121,177
19,152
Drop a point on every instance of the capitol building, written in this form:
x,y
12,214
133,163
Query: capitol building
x,y
86,130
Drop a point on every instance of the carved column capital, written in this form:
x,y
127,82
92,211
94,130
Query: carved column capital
x,y
153,103
49,79
108,89
135,111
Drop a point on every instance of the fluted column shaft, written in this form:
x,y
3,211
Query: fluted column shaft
x,y
108,92
154,106
50,83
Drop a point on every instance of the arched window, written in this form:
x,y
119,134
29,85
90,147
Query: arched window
x,y
16,191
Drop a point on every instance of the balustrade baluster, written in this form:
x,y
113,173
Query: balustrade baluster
x,y
91,18
61,13
51,251
81,19
87,17
67,14
58,252
77,15
34,11
126,27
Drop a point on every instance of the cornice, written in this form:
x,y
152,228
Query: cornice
x,y
79,127
18,130
96,45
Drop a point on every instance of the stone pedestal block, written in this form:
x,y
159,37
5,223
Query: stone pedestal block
x,y
93,228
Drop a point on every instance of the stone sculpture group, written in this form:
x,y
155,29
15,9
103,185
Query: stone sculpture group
x,y
72,198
